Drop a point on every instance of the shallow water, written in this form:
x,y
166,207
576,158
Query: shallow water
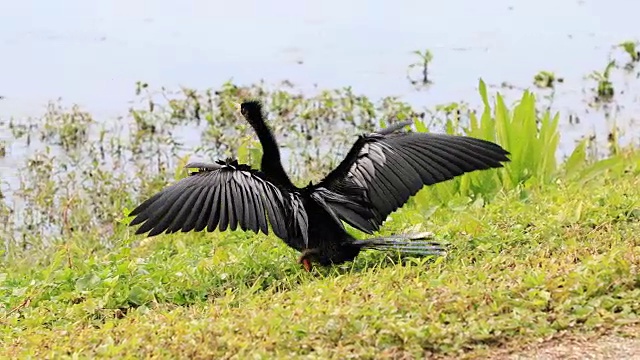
x,y
92,53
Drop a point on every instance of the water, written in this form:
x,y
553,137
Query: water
x,y
91,53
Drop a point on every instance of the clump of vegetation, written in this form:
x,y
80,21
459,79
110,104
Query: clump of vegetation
x,y
67,129
538,247
631,48
604,89
546,80
425,58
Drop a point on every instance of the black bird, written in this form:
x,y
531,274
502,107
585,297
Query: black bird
x,y
379,174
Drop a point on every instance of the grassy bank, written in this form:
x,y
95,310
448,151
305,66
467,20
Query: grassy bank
x,y
538,248
566,257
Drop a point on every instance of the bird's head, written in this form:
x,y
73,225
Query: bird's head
x,y
307,257
252,111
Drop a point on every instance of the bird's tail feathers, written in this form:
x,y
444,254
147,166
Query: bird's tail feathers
x,y
406,244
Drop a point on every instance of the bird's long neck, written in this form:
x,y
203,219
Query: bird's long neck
x,y
271,164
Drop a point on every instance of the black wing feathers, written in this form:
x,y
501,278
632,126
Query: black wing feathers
x,y
393,166
220,196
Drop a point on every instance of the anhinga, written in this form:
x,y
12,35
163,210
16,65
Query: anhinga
x,y
379,174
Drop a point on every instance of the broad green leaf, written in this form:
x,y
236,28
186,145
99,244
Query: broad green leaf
x,y
577,160
87,282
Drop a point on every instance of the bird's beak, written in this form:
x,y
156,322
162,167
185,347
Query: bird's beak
x,y
307,264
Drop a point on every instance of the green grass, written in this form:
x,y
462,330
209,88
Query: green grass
x,y
537,248
565,256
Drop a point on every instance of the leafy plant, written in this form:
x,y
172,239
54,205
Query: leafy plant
x,y
631,48
604,87
546,80
425,58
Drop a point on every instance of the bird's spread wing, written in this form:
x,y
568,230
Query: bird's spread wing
x,y
222,195
392,167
